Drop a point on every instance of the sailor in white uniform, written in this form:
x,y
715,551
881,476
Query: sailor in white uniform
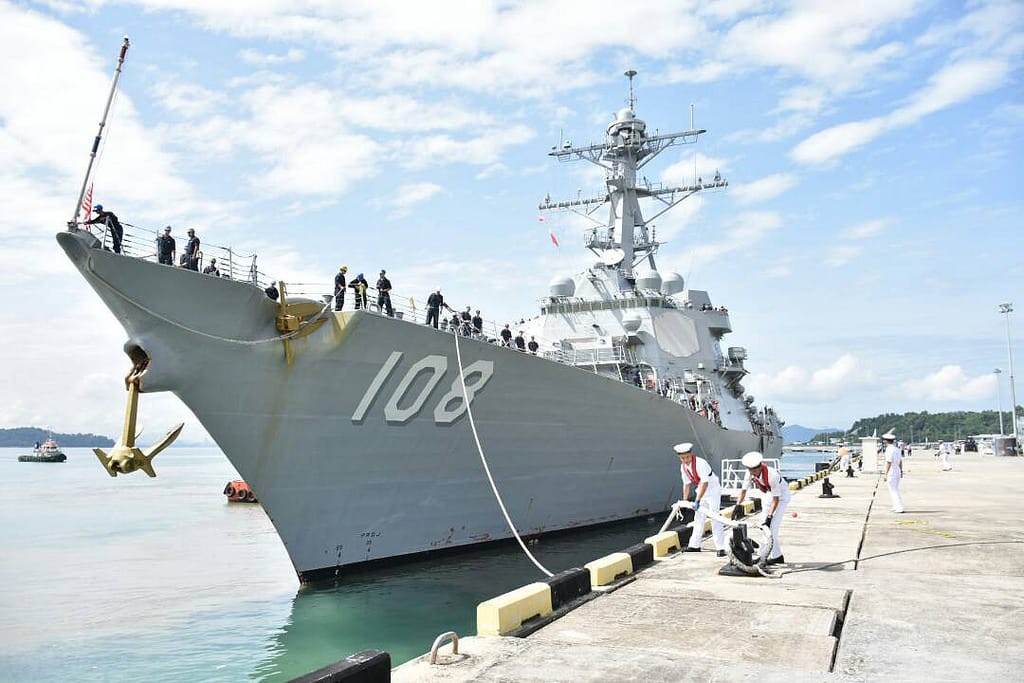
x,y
698,474
774,492
844,461
893,470
944,454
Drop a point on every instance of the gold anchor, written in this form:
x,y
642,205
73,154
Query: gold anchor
x,y
290,318
125,457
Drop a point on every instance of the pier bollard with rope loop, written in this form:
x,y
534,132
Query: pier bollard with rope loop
x,y
747,556
125,457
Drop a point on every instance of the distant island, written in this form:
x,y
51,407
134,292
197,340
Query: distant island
x,y
26,437
923,426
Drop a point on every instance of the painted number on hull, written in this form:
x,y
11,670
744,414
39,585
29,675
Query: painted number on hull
x,y
406,402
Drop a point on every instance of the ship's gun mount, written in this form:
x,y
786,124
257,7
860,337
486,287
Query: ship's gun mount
x,y
125,457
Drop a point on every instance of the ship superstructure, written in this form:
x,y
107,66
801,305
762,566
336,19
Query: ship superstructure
x,y
351,426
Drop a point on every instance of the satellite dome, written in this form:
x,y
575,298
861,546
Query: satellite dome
x,y
672,284
562,286
649,280
625,114
631,322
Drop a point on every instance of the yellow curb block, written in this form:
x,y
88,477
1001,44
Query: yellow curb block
x,y
663,543
507,612
607,569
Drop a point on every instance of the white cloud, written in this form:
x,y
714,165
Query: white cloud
x,y
953,84
408,196
687,169
749,228
764,189
842,254
798,384
250,56
951,383
865,229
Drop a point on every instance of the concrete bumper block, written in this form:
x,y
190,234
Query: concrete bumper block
x,y
568,585
607,569
641,555
362,667
664,543
507,612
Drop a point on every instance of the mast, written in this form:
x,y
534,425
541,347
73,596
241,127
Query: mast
x,y
99,133
626,149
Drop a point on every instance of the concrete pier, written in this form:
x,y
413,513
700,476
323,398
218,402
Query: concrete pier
x,y
936,594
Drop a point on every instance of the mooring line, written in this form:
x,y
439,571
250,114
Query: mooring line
x,y
483,460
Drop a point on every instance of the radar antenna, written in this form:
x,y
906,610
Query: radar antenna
x,y
626,149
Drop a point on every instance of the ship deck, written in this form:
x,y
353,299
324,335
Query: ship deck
x,y
933,595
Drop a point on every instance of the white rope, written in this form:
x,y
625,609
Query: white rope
x,y
483,460
186,328
767,540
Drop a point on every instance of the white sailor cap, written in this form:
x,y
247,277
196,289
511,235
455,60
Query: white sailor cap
x,y
889,436
752,459
682,448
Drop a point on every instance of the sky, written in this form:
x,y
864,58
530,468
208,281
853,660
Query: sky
x,y
870,229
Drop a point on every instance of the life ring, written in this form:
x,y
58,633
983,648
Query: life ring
x,y
250,497
229,490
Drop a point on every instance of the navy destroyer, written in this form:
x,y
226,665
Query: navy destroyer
x,y
351,427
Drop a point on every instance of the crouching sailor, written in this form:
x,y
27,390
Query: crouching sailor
x,y
697,473
774,492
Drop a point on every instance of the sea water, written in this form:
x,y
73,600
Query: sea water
x,y
161,579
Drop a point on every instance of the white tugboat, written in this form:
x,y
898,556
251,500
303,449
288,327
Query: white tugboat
x,y
351,427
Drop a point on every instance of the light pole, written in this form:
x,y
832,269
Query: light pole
x,y
999,398
1007,309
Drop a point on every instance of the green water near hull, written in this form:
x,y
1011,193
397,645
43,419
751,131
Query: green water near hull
x,y
134,578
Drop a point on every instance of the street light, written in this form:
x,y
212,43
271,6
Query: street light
x,y
1007,309
999,395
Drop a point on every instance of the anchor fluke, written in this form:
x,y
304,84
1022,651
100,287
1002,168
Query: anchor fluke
x,y
125,457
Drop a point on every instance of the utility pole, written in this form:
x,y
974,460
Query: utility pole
x,y
1006,309
999,398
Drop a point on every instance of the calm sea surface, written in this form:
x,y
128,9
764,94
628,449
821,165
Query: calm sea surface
x,y
134,578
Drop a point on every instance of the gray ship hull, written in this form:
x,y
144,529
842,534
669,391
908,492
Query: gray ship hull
x,y
360,450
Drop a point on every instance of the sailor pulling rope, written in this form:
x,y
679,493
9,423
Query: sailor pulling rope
x,y
741,549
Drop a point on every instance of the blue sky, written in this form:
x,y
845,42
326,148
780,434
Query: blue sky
x,y
870,230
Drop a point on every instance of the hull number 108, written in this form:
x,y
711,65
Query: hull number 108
x,y
405,403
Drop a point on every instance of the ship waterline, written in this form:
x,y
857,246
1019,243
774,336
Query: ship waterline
x,y
360,450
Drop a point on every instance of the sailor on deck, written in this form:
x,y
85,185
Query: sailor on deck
x,y
893,470
108,219
339,288
774,492
697,473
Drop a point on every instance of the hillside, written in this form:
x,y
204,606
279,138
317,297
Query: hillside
x,y
925,426
25,437
800,434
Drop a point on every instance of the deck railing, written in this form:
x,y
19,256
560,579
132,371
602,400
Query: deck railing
x,y
139,242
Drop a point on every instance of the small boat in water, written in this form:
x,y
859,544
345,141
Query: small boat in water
x,y
48,451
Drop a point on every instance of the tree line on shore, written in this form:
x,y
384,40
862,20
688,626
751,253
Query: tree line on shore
x,y
26,437
925,426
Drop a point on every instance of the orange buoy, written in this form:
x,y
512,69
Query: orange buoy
x,y
239,492
793,513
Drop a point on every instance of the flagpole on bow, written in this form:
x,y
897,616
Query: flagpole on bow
x,y
99,134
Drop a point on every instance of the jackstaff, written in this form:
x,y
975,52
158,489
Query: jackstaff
x,y
99,133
